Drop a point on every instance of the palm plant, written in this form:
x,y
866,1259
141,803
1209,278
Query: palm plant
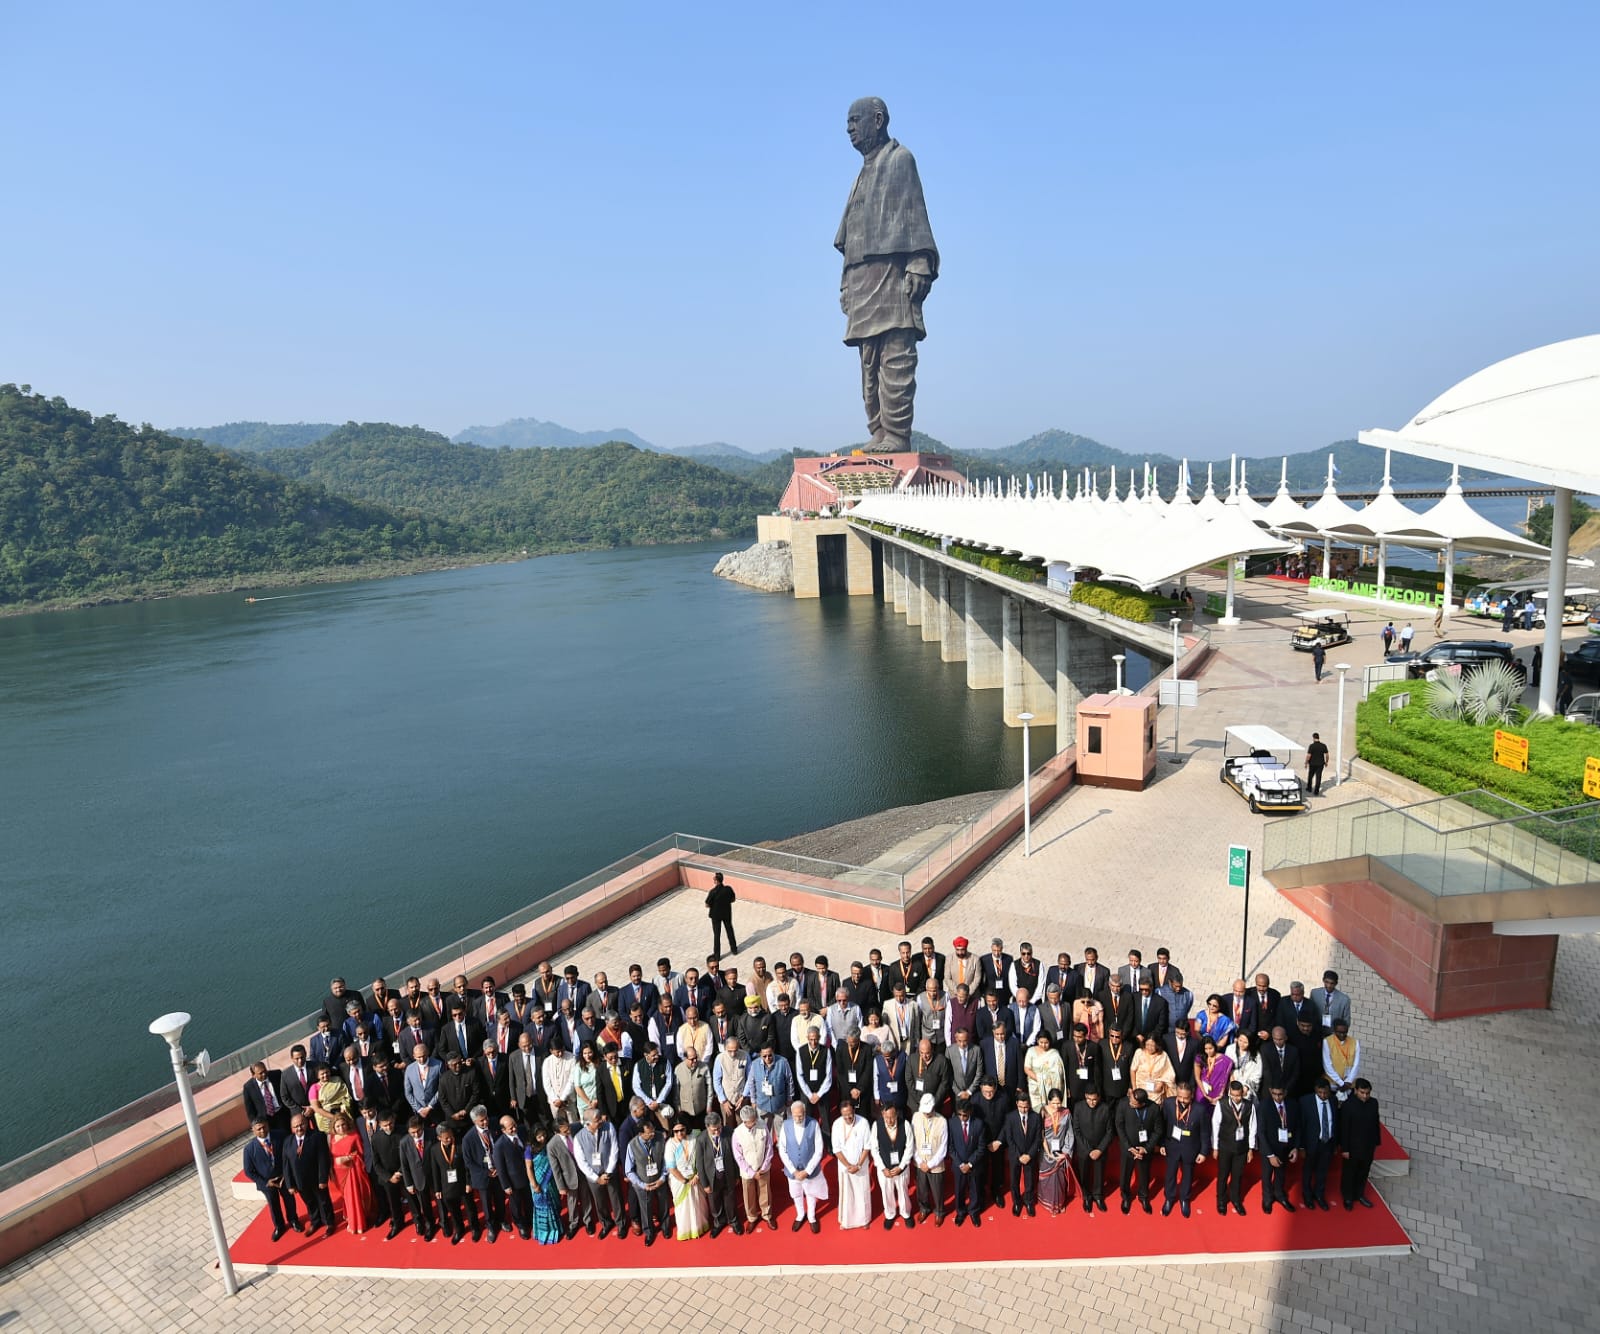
x,y
1490,693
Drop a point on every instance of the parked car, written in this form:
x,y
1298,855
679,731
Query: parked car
x,y
1464,653
1328,628
1583,662
1584,709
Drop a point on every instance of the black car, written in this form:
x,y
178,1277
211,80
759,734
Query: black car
x,y
1467,653
1583,662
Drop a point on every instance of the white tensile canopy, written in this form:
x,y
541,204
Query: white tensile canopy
x,y
1534,415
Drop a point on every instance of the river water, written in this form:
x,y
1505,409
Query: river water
x,y
215,806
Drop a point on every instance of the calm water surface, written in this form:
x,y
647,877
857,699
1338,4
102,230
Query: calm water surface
x,y
215,806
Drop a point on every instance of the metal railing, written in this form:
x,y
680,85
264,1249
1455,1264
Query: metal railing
x,y
1445,845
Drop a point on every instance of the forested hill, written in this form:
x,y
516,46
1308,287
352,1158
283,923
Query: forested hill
x,y
605,495
248,437
92,507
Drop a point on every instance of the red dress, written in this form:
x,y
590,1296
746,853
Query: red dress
x,y
351,1179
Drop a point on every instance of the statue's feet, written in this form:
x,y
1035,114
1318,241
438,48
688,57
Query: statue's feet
x,y
891,444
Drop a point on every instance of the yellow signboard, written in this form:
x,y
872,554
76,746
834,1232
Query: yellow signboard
x,y
1591,777
1511,751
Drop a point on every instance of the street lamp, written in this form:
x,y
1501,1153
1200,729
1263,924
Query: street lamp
x,y
170,1027
1027,787
1338,742
1177,702
1119,659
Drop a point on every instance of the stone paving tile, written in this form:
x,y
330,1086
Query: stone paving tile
x,y
1503,1200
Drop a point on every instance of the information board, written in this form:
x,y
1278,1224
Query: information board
x,y
1511,752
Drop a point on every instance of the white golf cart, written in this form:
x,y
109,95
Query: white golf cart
x,y
1258,764
1327,628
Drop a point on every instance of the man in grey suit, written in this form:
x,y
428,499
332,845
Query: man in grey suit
x,y
966,1067
1333,1003
562,1154
527,1096
715,1165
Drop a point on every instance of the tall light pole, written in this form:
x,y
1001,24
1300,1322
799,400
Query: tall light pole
x,y
1119,659
1338,743
1177,703
1027,787
170,1027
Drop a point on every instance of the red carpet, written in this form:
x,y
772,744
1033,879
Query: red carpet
x,y
1071,1237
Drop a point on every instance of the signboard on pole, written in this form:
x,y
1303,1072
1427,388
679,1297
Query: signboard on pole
x,y
1185,694
1591,777
1511,752
1398,702
1238,867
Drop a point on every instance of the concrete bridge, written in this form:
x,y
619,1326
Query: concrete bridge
x,y
1043,651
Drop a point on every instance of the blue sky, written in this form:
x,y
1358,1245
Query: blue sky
x,y
1179,227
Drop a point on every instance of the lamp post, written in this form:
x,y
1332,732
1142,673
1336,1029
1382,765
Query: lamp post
x,y
1119,659
1338,736
1177,703
1027,787
170,1027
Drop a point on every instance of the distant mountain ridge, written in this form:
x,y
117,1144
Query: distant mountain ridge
x,y
531,433
248,437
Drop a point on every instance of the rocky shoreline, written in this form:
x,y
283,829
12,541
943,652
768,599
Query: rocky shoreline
x,y
768,566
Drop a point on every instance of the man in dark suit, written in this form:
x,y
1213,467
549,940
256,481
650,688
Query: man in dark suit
x,y
1149,1014
263,1098
1062,975
527,1095
416,1179
1055,1017
1139,1128
932,960
821,984
388,1170
489,1005
1081,1059
1278,1125
989,1106
996,966
719,1173
305,1171
572,988
511,1170
614,1086
385,1089
503,1034
1133,972
989,1013
482,1174
462,1035
1359,1136
1002,1057
639,991
1187,1140
1296,1005
263,1164
1093,977
965,1064
458,1095
335,1002
294,1084
1267,999
1023,1138
719,908
1233,1132
1116,1067
494,1079
1319,1141
435,1006
447,1172
1092,1130
1121,1013
1280,1062
968,1140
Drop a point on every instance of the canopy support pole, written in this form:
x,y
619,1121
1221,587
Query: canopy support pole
x,y
1556,604
1228,617
1449,577
1327,557
1383,564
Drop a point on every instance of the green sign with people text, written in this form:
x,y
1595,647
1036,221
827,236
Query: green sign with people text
x,y
1238,867
1415,597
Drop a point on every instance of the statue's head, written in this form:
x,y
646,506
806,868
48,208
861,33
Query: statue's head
x,y
867,123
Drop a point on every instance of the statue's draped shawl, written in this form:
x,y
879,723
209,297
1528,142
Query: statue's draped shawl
x,y
886,214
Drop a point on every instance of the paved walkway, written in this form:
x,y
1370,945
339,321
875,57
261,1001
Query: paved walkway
x,y
1503,1200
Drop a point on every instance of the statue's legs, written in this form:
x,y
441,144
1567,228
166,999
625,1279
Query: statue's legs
x,y
889,385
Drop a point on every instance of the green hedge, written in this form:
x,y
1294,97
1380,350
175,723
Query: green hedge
x,y
1130,603
997,564
1449,757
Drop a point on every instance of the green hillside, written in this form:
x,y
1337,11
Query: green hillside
x,y
544,499
91,507
249,437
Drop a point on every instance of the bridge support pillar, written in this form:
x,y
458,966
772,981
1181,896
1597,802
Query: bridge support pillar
x,y
985,635
1083,667
1030,663
913,589
952,600
897,579
933,603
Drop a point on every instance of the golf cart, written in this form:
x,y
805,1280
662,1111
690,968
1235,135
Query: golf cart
x,y
1257,763
1326,628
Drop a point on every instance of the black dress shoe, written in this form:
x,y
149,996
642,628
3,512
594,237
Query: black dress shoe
x,y
622,1231
909,1223
960,1219
526,1236
297,1225
1364,1202
1222,1208
816,1226
938,1220
494,1236
1322,1204
1032,1212
1100,1205
277,1233
1348,1204
1088,1206
455,1239
797,1225
1016,1211
649,1238
1166,1208
1266,1208
1287,1205
1184,1205
1127,1206
1145,1205
738,1229
391,1234
888,1223
716,1230
977,1222
605,1231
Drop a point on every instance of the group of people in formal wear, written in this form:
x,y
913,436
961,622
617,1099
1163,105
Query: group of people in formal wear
x,y
681,1103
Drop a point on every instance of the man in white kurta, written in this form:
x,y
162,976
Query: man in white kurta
x,y
800,1148
852,1151
752,1154
930,1142
891,1151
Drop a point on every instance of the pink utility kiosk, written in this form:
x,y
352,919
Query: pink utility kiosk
x,y
1116,741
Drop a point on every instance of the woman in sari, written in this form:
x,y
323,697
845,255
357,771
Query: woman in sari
x,y
1246,1063
1056,1182
1152,1071
585,1085
1044,1070
349,1156
1212,1071
691,1214
1092,1015
1212,1023
546,1197
330,1098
